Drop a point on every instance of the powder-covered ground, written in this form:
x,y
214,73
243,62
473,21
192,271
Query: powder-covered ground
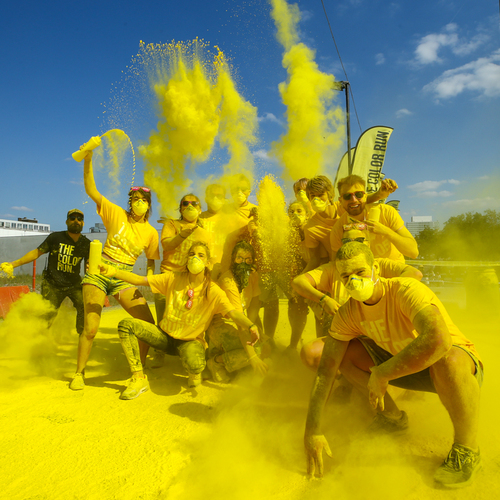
x,y
237,441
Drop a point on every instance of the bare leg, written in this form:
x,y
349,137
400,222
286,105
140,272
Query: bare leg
x,y
356,369
271,316
135,304
459,391
311,353
297,316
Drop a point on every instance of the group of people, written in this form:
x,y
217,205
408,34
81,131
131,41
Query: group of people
x,y
376,323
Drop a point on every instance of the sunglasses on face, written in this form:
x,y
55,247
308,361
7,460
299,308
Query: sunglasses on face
x,y
348,240
186,203
357,194
79,218
137,188
189,303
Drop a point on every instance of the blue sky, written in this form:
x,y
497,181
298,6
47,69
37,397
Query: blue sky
x,y
429,69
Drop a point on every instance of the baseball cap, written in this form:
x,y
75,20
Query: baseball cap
x,y
75,211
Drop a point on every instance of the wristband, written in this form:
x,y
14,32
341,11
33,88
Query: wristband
x,y
251,326
183,237
321,300
251,357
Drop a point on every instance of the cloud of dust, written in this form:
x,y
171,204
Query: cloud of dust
x,y
238,123
111,157
315,133
197,103
28,342
274,225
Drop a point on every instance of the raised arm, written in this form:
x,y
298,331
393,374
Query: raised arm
x,y
387,187
89,181
401,239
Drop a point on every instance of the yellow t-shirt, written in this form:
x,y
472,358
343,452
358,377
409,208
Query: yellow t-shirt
x,y
389,321
240,301
317,230
176,259
379,244
213,224
127,239
327,278
180,322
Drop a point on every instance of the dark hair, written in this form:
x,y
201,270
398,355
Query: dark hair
x,y
349,181
208,279
183,198
300,185
353,249
320,184
147,197
242,245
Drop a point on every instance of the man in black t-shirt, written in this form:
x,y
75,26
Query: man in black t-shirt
x,y
61,277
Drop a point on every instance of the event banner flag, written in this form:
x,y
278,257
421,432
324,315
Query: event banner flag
x,y
368,157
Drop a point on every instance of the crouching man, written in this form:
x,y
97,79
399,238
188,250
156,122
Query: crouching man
x,y
396,331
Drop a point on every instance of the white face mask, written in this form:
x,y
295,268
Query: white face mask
x,y
195,265
239,198
140,207
301,196
190,213
319,205
215,203
360,288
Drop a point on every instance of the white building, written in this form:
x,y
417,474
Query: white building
x,y
23,227
420,222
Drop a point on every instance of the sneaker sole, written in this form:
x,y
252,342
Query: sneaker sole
x,y
463,483
128,398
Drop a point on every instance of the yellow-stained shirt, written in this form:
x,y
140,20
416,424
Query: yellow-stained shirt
x,y
213,223
127,239
389,322
317,230
327,278
180,322
176,259
379,244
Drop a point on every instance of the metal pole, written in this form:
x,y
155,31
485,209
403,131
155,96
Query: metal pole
x,y
34,276
348,120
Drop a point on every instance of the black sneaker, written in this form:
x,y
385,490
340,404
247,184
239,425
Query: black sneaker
x,y
385,425
459,467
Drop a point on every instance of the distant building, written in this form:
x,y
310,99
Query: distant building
x,y
98,228
419,222
23,227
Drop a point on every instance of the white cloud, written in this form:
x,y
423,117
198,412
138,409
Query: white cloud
x,y
22,209
429,46
477,204
269,117
403,112
262,154
484,177
429,189
482,76
379,58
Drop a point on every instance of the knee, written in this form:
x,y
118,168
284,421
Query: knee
x,y
309,356
126,327
456,363
193,357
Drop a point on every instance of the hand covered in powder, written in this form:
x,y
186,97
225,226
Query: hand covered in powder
x,y
259,366
377,387
314,445
107,271
387,187
8,269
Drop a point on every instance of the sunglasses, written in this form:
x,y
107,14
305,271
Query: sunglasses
x,y
348,240
189,303
186,203
76,217
360,225
141,188
357,194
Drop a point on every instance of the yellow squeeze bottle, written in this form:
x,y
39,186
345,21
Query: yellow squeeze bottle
x,y
95,256
92,143
374,213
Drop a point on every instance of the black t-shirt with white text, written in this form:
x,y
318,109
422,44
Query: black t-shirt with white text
x,y
65,256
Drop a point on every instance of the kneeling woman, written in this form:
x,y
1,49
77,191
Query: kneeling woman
x,y
192,300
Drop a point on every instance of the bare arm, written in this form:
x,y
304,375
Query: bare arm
x,y
26,259
305,285
401,239
89,182
314,442
150,267
412,272
134,279
170,242
387,187
432,343
241,320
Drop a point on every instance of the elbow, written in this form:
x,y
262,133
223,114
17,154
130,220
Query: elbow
x,y
413,253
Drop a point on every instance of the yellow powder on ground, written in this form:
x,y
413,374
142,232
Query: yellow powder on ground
x,y
315,133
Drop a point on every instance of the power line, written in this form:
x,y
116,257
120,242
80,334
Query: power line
x,y
342,64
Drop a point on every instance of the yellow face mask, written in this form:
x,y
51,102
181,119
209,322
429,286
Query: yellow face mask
x,y
140,207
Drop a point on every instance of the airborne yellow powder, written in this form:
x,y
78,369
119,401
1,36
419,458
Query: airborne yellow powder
x,y
315,133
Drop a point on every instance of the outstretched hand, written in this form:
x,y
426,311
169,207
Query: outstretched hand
x,y
314,445
106,270
387,187
259,366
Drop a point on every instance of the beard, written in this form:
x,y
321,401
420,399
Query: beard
x,y
75,228
241,273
